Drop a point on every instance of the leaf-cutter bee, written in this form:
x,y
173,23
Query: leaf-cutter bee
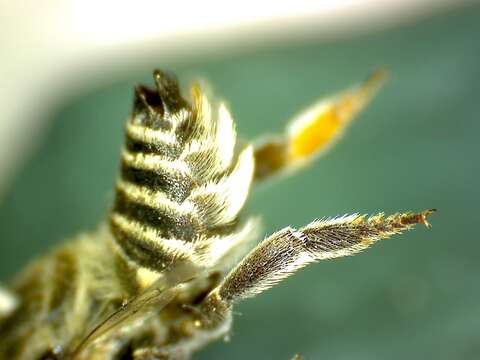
x,y
159,277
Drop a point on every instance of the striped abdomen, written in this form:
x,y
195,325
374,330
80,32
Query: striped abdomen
x,y
183,181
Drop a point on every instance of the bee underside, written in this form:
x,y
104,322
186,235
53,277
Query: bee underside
x,y
159,278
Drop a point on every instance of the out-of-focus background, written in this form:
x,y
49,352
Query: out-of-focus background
x,y
68,69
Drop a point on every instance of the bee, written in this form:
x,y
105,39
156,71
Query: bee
x,y
159,277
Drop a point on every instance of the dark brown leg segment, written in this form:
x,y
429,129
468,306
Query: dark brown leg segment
x,y
288,250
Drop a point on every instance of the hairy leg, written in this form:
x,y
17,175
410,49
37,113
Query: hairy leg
x,y
288,250
314,130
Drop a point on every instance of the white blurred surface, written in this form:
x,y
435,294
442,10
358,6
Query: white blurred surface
x,y
55,46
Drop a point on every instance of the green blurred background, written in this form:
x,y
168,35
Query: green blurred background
x,y
416,296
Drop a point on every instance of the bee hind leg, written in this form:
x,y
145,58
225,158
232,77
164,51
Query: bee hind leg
x,y
288,250
159,354
314,130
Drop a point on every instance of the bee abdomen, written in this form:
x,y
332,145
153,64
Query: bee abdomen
x,y
175,185
182,178
171,221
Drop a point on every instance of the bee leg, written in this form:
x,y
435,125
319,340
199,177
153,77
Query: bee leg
x,y
156,353
288,250
314,130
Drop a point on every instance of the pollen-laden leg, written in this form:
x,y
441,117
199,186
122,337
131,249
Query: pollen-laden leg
x,y
288,250
314,130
